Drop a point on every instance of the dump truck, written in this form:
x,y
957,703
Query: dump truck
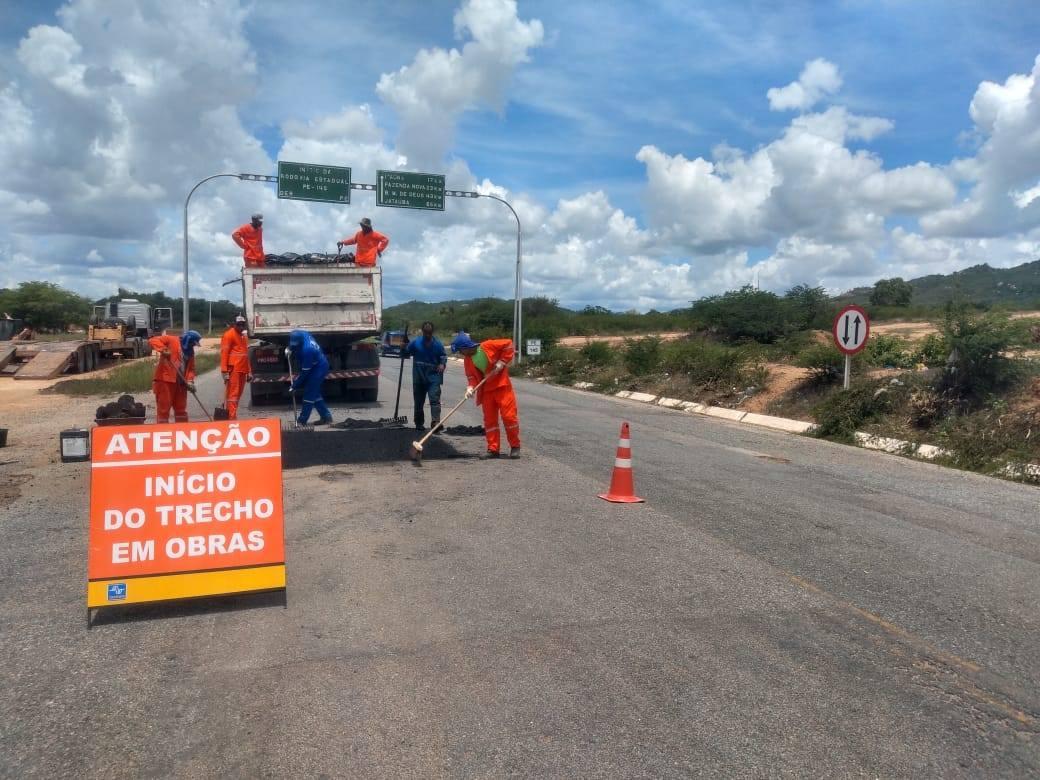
x,y
340,304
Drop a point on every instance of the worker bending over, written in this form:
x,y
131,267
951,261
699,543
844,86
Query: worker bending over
x,y
165,379
370,244
428,363
234,364
250,237
186,380
313,367
491,359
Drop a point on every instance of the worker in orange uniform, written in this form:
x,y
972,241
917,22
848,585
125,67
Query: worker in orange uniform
x,y
164,380
370,244
234,364
250,238
491,359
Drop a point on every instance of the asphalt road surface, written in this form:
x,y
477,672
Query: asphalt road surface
x,y
779,606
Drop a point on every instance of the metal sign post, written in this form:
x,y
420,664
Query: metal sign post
x,y
851,330
187,200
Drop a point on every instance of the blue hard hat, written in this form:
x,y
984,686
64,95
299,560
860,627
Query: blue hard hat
x,y
462,341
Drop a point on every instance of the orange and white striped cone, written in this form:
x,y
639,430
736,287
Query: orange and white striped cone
x,y
622,490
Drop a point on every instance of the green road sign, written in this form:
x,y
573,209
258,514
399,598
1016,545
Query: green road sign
x,y
303,181
410,190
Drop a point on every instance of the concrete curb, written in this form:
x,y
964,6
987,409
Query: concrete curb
x,y
866,440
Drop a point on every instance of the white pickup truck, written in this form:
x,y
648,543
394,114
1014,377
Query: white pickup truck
x,y
341,305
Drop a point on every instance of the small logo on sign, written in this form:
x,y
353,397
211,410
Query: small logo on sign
x,y
117,591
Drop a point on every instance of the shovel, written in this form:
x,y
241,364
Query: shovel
x,y
292,394
180,376
221,412
195,395
416,451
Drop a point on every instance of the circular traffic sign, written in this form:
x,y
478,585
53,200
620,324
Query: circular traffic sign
x,y
851,329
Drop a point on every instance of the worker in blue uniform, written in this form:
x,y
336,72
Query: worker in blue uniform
x,y
312,366
428,363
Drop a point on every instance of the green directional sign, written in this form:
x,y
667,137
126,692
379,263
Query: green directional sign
x,y
403,190
303,181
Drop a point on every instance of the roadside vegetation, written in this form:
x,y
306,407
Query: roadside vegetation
x,y
971,387
131,377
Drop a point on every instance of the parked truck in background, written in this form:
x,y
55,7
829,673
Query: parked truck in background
x,y
341,305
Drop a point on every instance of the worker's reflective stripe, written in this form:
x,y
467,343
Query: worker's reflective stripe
x,y
623,463
512,427
626,443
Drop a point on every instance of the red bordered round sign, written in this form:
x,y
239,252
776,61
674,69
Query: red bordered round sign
x,y
851,329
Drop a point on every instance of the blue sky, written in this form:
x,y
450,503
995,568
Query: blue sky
x,y
566,119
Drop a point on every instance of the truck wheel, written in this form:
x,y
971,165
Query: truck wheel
x,y
81,360
370,395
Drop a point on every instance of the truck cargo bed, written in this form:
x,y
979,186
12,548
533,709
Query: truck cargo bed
x,y
328,299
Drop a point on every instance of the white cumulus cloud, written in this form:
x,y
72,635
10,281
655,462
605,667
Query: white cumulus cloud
x,y
818,79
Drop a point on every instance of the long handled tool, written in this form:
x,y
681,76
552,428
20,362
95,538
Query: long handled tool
x,y
400,378
292,393
416,451
191,389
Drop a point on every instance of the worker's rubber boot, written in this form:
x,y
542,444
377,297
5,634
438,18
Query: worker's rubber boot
x,y
435,426
490,455
322,421
514,453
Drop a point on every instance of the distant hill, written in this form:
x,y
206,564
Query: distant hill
x,y
1018,287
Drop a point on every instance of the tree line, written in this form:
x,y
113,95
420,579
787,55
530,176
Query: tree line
x,y
49,307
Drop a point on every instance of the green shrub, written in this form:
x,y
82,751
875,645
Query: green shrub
x,y
987,441
824,360
598,353
887,351
706,363
978,365
932,351
560,364
842,413
746,313
642,356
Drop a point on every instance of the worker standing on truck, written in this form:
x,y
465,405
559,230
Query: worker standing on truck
x,y
250,237
370,244
428,363
164,380
234,364
312,367
491,359
186,380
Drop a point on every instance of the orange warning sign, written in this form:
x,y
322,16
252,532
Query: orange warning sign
x,y
191,509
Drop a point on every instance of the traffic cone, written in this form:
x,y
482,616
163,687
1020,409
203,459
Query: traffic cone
x,y
622,491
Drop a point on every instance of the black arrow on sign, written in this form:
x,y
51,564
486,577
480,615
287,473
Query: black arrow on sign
x,y
856,337
845,338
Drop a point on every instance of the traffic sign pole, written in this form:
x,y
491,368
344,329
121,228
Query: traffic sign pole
x,y
187,200
851,330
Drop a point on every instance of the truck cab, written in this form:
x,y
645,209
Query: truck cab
x,y
393,343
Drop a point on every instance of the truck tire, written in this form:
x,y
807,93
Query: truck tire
x,y
369,395
81,360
